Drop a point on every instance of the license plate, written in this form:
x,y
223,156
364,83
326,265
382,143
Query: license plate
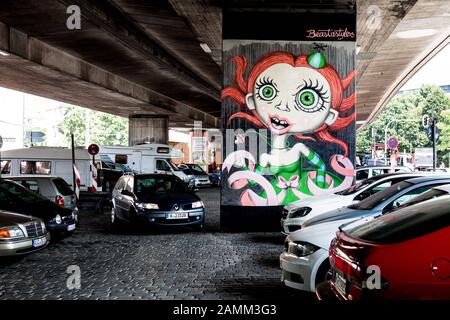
x,y
71,227
340,283
178,215
39,242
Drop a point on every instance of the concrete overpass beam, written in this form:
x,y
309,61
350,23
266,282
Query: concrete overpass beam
x,y
145,128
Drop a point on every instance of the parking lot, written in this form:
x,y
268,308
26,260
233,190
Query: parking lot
x,y
173,264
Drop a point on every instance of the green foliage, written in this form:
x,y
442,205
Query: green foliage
x,y
90,126
407,109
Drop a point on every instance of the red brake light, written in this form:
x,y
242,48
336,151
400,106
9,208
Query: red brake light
x,y
59,201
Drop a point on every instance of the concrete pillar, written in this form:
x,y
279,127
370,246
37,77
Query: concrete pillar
x,y
150,129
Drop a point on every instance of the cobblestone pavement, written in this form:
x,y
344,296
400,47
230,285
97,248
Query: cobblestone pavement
x,y
174,264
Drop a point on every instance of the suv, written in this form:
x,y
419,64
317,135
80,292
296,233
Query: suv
x,y
370,171
53,188
155,199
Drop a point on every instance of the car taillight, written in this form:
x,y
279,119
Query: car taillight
x,y
59,201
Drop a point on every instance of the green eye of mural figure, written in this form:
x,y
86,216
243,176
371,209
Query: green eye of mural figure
x,y
267,92
307,98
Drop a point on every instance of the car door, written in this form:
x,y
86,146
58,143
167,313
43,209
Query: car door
x,y
128,197
117,196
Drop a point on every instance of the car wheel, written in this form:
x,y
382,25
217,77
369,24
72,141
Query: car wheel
x,y
324,272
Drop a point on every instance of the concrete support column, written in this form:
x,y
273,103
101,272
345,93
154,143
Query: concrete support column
x,y
150,129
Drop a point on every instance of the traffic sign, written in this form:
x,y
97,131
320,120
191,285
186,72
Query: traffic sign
x,y
93,149
393,143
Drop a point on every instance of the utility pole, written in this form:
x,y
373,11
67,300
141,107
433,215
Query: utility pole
x,y
433,137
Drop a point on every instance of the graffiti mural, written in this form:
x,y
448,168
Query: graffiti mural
x,y
303,103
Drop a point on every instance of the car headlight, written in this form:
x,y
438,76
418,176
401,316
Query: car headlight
x,y
57,219
197,204
43,226
150,206
301,249
11,233
300,212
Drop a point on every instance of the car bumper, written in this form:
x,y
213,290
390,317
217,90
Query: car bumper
x,y
199,184
21,247
68,225
300,272
194,217
326,293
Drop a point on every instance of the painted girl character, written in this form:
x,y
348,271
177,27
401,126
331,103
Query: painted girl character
x,y
299,96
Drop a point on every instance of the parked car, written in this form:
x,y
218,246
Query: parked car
x,y
409,247
370,171
304,261
215,175
155,199
20,234
53,188
16,198
383,201
296,213
201,178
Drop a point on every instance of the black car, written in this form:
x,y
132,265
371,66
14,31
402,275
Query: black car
x,y
16,198
155,199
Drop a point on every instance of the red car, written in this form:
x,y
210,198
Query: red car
x,y
401,255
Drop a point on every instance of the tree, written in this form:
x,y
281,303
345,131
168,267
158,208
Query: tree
x,y
90,126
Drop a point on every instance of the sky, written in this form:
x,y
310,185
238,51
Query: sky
x,y
436,71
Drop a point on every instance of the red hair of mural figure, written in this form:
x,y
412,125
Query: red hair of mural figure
x,y
337,85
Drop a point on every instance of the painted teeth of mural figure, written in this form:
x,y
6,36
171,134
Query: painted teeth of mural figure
x,y
291,97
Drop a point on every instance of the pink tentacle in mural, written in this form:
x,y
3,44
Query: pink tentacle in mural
x,y
252,198
346,169
237,159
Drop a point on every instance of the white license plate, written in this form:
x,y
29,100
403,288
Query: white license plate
x,y
71,227
340,283
178,215
39,242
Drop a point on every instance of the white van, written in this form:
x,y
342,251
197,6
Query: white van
x,y
48,161
146,158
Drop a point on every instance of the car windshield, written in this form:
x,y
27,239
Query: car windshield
x,y
381,196
149,185
13,191
406,223
197,170
359,186
62,187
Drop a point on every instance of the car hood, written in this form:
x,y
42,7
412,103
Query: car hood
x,y
165,201
340,214
10,218
319,234
316,200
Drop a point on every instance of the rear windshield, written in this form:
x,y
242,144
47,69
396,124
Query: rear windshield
x,y
63,187
380,197
406,223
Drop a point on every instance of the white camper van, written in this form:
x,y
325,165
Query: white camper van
x,y
51,161
147,158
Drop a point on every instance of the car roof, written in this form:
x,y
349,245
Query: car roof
x,y
426,178
34,176
381,167
155,175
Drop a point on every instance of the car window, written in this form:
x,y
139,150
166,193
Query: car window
x,y
63,187
362,174
35,167
197,170
5,166
33,185
377,172
379,197
405,223
16,192
427,195
120,184
129,185
148,185
162,165
408,196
